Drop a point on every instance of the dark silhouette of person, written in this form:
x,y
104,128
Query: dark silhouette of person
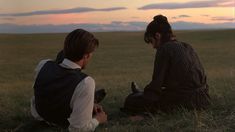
x,y
178,80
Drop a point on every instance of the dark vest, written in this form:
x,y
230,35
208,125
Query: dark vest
x,y
53,90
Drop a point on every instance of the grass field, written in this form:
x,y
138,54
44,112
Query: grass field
x,y
121,58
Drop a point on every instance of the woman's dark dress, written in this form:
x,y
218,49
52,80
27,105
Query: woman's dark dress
x,y
178,80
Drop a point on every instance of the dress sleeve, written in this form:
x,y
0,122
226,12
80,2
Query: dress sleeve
x,y
161,66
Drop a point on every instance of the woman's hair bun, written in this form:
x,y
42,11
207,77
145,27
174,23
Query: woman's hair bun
x,y
160,19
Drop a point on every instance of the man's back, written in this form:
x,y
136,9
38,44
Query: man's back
x,y
63,95
54,88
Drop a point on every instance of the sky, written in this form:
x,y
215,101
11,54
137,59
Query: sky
x,y
22,15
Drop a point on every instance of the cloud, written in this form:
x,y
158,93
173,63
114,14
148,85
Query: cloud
x,y
135,17
204,15
7,18
192,4
181,25
229,19
64,11
113,26
181,16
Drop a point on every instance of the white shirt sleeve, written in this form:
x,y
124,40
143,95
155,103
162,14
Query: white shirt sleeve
x,y
82,103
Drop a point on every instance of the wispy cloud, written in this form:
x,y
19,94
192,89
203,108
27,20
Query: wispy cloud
x,y
192,4
7,18
228,19
64,11
135,17
113,26
204,15
49,28
180,16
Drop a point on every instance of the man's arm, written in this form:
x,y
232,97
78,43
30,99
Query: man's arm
x,y
82,104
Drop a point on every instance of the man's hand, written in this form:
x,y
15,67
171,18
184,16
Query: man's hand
x,y
101,117
99,114
97,108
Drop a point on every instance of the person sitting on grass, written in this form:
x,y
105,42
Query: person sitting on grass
x,y
63,94
179,79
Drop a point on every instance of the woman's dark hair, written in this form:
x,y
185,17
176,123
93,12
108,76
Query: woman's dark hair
x,y
160,25
78,43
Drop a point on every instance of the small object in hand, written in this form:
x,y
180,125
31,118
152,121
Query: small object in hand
x,y
99,95
136,118
97,109
134,87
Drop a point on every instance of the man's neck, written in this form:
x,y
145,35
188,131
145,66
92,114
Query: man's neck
x,y
80,63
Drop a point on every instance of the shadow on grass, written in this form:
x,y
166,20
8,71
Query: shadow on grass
x,y
37,126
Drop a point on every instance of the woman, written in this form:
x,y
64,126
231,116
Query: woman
x,y
178,79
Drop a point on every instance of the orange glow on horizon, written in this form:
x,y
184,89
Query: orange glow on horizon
x,y
197,15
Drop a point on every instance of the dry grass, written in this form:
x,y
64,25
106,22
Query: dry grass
x,y
121,58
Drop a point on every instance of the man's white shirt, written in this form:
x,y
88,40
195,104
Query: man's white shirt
x,y
82,101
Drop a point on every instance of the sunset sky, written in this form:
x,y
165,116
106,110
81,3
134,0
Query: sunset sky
x,y
62,12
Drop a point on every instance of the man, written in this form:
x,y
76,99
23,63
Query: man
x,y
178,80
63,95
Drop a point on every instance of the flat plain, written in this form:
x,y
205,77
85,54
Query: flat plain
x,y
122,57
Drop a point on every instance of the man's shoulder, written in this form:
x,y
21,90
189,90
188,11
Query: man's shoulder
x,y
87,85
44,61
41,64
88,80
